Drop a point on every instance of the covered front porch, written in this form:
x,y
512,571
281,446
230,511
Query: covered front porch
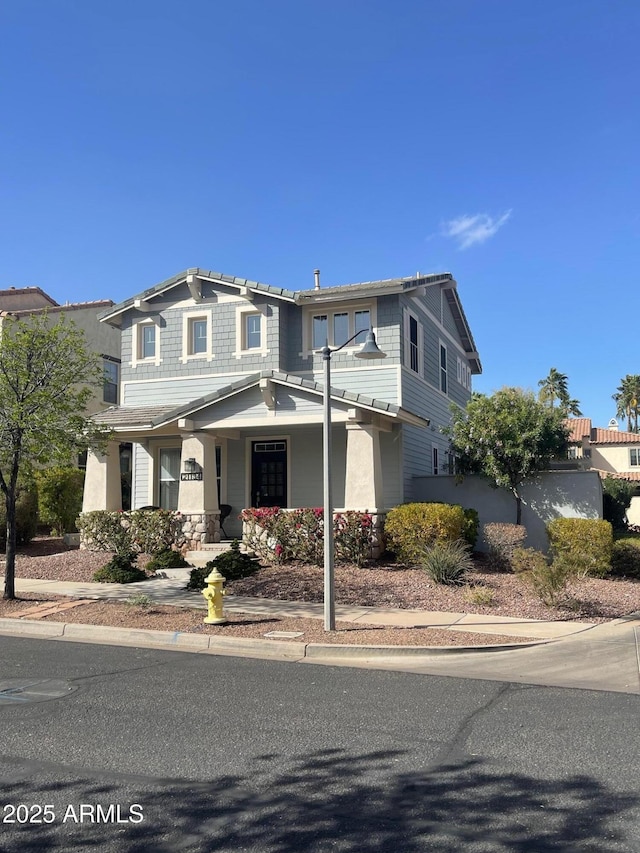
x,y
258,443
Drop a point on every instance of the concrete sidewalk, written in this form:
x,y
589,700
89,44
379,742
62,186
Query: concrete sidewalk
x,y
577,654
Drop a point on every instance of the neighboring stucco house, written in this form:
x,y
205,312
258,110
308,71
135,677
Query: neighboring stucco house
x,y
611,451
18,303
221,394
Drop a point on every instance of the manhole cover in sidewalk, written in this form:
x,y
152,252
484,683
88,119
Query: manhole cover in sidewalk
x,y
19,691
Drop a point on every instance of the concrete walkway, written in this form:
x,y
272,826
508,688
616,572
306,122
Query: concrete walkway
x,y
578,654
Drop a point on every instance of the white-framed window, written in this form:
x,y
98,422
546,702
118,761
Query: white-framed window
x,y
168,477
336,326
251,331
111,377
196,336
413,343
443,368
146,342
634,457
463,373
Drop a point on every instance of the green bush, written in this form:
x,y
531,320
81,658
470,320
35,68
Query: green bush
x,y
471,527
616,500
581,546
60,498
502,540
120,569
548,580
232,565
625,558
166,559
410,529
26,514
280,536
447,562
145,531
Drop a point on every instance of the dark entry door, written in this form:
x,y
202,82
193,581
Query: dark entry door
x,y
269,473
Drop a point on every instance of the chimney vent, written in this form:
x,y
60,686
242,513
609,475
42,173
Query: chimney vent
x,y
316,275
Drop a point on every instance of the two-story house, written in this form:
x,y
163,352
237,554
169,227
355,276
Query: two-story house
x,y
221,394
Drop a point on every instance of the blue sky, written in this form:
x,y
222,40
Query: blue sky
x,y
495,139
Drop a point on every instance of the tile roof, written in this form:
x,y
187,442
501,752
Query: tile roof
x,y
24,299
632,476
613,436
578,428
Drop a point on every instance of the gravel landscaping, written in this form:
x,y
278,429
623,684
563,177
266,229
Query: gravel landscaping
x,y
381,586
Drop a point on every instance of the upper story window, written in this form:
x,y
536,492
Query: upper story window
x,y
634,457
463,373
110,387
336,327
443,368
196,336
413,343
251,331
146,342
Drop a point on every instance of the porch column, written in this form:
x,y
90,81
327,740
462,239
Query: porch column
x,y
198,498
363,478
102,489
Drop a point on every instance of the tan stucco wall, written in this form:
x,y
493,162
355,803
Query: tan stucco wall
x,y
614,459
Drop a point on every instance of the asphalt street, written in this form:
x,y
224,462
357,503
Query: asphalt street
x,y
148,750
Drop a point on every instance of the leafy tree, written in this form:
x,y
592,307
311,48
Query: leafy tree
x,y
554,387
616,500
507,437
627,399
46,380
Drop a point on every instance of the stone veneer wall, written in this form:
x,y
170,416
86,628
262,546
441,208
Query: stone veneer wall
x,y
199,528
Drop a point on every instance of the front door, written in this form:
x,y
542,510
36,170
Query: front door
x,y
269,473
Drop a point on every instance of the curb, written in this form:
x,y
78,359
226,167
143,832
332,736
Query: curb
x,y
241,646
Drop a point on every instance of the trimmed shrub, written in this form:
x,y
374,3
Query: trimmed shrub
x,y
616,500
26,514
412,528
232,565
447,562
280,536
502,540
582,546
60,498
166,559
471,527
120,569
625,558
548,580
146,531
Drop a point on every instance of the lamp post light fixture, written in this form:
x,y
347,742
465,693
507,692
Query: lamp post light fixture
x,y
369,350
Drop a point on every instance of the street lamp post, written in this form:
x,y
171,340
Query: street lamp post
x,y
370,350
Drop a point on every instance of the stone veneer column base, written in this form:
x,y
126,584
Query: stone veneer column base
x,y
198,528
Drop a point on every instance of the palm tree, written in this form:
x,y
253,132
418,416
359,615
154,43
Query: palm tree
x,y
627,400
556,387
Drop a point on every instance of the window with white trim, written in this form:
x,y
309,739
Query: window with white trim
x,y
110,387
146,342
169,477
335,328
197,336
413,343
634,457
252,331
443,368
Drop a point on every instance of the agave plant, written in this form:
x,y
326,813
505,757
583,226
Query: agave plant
x,y
447,562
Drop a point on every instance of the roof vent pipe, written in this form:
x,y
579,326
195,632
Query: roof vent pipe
x,y
316,275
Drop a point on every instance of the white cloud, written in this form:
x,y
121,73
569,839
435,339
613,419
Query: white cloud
x,y
469,230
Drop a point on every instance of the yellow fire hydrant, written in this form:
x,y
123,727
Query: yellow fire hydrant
x,y
213,593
